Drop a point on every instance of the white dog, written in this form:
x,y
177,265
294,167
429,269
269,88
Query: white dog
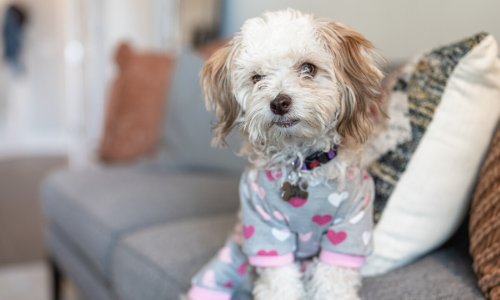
x,y
299,89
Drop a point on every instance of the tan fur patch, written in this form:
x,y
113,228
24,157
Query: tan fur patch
x,y
216,86
357,72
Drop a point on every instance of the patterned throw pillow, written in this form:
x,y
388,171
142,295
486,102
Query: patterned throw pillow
x,y
443,108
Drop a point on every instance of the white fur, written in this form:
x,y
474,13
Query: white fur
x,y
279,283
276,45
328,282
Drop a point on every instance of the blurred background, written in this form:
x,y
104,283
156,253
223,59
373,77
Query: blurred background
x,y
58,74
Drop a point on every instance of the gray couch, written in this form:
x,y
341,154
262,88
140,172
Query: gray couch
x,y
140,232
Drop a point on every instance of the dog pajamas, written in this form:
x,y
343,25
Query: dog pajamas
x,y
334,223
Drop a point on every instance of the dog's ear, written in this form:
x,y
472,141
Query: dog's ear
x,y
216,86
357,69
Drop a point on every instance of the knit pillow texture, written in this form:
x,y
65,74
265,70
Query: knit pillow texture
x,y
443,107
484,224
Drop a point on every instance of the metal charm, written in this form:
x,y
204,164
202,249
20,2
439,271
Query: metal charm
x,y
297,189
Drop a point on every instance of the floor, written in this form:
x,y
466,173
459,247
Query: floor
x,y
24,274
30,281
21,218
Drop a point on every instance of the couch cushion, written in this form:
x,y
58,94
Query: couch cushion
x,y
158,263
187,133
89,282
148,262
444,274
95,207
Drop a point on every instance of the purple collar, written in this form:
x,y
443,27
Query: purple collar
x,y
318,158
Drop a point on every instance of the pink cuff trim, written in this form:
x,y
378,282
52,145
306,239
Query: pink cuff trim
x,y
199,293
341,260
271,260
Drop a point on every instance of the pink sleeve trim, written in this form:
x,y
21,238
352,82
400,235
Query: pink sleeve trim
x,y
199,293
341,260
271,260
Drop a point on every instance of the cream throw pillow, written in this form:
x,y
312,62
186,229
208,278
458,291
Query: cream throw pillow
x,y
430,197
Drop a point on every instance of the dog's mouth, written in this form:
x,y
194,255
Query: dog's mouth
x,y
286,123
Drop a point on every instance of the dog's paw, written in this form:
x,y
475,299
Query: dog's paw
x,y
279,283
328,282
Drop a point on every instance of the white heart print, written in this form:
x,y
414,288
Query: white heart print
x,y
281,235
335,199
366,237
252,175
357,217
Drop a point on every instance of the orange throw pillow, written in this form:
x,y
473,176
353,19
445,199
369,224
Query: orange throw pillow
x,y
135,108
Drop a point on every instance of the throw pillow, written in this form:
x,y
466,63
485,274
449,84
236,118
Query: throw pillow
x,y
484,224
447,104
134,113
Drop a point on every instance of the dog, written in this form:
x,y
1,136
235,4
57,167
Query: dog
x,y
299,89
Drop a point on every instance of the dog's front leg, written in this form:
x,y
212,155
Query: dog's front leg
x,y
330,282
279,283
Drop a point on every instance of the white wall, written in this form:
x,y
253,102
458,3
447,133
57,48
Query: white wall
x,y
131,21
33,115
398,28
145,24
58,105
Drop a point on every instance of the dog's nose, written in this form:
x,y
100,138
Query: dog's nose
x,y
281,104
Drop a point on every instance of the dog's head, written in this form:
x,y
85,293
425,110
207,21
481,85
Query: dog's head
x,y
291,79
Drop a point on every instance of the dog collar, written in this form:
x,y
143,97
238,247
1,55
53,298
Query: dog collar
x,y
296,186
318,158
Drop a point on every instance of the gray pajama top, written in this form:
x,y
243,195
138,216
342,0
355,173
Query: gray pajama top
x,y
334,223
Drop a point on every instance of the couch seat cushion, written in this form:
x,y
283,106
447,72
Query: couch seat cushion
x,y
158,263
443,274
94,208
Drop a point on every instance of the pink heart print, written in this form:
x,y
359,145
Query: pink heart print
x,y
262,213
336,237
267,253
248,231
209,279
297,202
259,190
322,220
351,173
229,284
367,199
305,237
242,269
225,255
273,175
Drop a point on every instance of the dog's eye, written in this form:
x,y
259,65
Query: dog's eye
x,y
257,78
308,68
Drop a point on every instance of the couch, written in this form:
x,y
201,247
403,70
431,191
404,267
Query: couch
x,y
140,231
